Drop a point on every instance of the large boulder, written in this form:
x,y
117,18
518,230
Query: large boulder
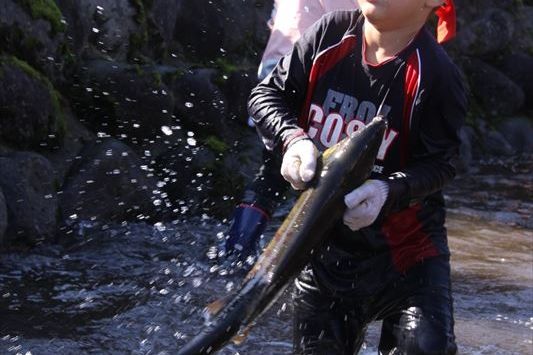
x,y
497,93
487,32
163,15
523,40
237,86
3,216
124,101
34,32
209,29
30,109
519,67
200,104
518,131
102,28
29,186
63,156
110,183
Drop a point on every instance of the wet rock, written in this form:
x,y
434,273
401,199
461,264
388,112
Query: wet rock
x,y
124,101
497,93
489,141
519,67
63,156
3,216
102,28
518,131
237,86
29,186
466,134
110,183
207,29
34,33
523,40
200,104
486,34
30,111
164,14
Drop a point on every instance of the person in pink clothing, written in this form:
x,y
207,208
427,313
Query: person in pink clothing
x,y
289,20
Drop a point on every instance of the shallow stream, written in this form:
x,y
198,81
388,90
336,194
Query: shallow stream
x,y
140,289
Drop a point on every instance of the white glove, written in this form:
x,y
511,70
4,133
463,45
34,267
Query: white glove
x,y
365,203
299,163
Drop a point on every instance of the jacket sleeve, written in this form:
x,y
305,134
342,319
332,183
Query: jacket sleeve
x,y
431,164
276,102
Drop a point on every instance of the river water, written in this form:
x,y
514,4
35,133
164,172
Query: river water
x,y
140,289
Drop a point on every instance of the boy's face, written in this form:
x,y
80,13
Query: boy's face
x,y
390,14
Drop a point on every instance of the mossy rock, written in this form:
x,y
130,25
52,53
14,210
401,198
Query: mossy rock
x,y
47,10
32,116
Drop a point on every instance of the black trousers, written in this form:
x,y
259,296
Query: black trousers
x,y
416,309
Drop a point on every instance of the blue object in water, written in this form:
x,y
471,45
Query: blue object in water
x,y
249,222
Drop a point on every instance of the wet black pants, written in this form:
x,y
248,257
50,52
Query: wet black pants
x,y
416,310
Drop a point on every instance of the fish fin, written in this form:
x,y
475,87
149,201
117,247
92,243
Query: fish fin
x,y
213,308
241,335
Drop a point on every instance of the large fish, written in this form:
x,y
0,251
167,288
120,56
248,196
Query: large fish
x,y
340,169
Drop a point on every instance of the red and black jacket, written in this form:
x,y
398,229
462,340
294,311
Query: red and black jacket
x,y
325,89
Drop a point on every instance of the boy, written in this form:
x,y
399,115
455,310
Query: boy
x,y
388,259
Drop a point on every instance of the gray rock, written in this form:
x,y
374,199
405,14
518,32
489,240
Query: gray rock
x,y
496,144
124,101
109,184
36,38
101,28
164,14
519,67
30,112
209,29
523,40
3,216
28,182
200,105
466,134
518,131
237,88
65,155
498,95
487,34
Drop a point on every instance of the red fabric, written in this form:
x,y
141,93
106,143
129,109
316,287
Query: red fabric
x,y
408,242
446,26
412,74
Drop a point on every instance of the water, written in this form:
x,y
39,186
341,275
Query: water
x,y
139,289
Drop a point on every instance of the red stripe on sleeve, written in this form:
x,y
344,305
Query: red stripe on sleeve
x,y
323,63
411,86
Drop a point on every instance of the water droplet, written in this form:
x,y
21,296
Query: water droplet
x,y
189,104
166,130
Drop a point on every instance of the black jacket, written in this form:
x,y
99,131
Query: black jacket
x,y
325,89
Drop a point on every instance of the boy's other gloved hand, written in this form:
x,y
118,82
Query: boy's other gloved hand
x,y
249,222
365,203
299,163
